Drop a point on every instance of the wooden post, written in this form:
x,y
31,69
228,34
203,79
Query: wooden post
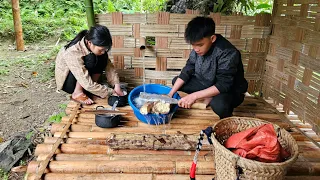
x,y
151,141
90,13
17,25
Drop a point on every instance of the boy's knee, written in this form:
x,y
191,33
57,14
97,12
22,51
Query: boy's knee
x,y
174,80
222,109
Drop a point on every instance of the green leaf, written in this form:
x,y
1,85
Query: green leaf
x,y
263,6
62,106
29,135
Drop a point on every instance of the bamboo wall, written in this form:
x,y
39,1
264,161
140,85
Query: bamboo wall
x,y
248,33
292,75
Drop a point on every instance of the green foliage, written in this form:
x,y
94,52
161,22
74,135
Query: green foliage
x,y
245,5
33,63
4,175
226,7
63,106
43,19
153,6
110,7
218,7
23,163
63,19
29,135
260,6
47,72
263,6
56,118
3,71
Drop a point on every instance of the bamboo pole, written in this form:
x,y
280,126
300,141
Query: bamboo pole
x,y
17,25
120,176
97,176
89,149
160,167
72,149
138,167
90,13
40,169
127,157
101,135
52,140
308,151
100,149
142,128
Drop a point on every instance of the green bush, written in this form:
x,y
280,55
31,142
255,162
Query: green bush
x,y
63,19
42,19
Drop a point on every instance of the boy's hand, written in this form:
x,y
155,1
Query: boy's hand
x,y
187,101
169,95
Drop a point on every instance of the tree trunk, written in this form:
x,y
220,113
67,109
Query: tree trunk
x,y
152,141
17,25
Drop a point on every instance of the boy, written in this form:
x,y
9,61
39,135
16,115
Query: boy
x,y
214,71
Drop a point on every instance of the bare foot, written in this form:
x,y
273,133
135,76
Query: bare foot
x,y
94,97
81,98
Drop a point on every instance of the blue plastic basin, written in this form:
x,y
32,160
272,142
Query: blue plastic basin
x,y
155,89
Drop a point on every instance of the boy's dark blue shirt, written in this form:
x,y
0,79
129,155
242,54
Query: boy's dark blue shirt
x,y
220,66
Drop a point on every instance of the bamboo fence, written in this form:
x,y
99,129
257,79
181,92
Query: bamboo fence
x,y
292,74
170,52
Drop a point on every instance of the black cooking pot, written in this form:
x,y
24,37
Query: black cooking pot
x,y
122,100
107,120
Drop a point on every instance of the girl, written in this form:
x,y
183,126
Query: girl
x,y
81,62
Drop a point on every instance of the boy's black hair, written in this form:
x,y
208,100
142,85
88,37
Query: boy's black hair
x,y
199,28
99,35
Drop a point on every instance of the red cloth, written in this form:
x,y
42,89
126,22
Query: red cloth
x,y
257,143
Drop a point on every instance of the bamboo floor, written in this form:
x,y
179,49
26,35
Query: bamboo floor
x,y
83,153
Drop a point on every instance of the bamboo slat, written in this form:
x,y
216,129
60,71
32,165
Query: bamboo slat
x,y
133,157
96,176
136,18
109,167
110,176
161,167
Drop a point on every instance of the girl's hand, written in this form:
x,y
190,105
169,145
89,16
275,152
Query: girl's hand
x,y
118,90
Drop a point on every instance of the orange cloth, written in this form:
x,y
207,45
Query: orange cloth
x,y
257,143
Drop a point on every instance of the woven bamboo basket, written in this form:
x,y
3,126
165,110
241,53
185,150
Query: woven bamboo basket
x,y
230,166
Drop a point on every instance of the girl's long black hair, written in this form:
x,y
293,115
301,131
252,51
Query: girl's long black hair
x,y
99,35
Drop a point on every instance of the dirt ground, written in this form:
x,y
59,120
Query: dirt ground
x,y
26,100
